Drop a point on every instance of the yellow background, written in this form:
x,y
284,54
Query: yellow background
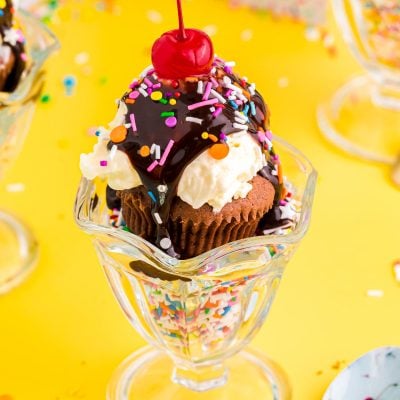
x,y
62,333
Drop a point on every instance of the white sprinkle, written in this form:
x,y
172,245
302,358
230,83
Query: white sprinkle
x,y
153,148
234,88
127,126
246,35
113,152
396,271
213,70
154,16
211,30
82,58
232,97
162,188
230,64
227,80
243,98
158,219
143,92
375,293
200,87
240,126
215,94
195,120
283,82
313,34
212,109
252,89
165,243
146,71
144,86
158,152
15,187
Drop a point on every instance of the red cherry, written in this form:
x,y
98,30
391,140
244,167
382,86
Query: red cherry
x,y
182,52
174,58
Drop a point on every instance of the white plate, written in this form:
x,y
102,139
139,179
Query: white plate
x,y
374,376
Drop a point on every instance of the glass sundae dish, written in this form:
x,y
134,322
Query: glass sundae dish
x,y
194,220
22,55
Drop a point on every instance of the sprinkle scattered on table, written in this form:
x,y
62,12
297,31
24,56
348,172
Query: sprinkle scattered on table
x,y
377,293
396,270
16,187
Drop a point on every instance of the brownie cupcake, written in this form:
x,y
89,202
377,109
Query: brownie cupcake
x,y
12,49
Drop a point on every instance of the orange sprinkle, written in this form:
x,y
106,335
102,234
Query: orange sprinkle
x,y
130,101
144,151
191,79
219,151
213,138
118,134
280,174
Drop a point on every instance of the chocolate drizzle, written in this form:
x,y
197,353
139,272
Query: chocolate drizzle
x,y
242,107
12,61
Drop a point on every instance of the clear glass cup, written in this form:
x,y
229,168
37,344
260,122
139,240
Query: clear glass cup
x,y
197,314
18,247
363,116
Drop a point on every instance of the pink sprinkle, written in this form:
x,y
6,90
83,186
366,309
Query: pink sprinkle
x,y
268,133
103,163
133,122
148,82
215,82
229,92
166,152
157,86
134,95
239,102
207,91
217,112
202,104
261,136
171,122
149,90
134,84
24,57
283,203
152,166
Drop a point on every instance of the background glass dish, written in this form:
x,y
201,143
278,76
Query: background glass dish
x,y
18,248
363,116
197,313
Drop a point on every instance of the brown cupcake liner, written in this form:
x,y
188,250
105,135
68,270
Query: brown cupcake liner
x,y
194,232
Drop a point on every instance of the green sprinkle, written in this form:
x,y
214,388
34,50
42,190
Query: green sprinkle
x,y
45,98
126,229
168,114
207,310
164,101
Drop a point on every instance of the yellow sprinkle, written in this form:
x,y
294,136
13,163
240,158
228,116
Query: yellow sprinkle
x,y
156,96
172,102
204,135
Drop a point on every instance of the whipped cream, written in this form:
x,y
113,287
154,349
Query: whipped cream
x,y
205,179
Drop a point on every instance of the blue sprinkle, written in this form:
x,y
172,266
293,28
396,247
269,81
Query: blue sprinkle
x,y
159,311
226,310
246,109
1,13
253,108
233,104
151,194
69,84
97,133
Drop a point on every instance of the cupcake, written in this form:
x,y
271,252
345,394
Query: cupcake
x,y
189,157
12,49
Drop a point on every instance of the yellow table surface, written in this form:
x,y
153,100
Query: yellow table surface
x,y
62,333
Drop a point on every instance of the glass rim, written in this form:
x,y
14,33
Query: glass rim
x,y
83,220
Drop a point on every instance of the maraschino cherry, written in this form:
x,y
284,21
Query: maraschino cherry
x,y
182,52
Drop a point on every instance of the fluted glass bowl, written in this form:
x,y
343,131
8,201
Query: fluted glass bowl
x,y
197,313
18,248
363,116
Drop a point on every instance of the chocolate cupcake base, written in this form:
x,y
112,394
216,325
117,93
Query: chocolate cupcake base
x,y
194,232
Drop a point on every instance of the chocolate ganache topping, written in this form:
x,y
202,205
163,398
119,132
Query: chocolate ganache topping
x,y
166,124
12,49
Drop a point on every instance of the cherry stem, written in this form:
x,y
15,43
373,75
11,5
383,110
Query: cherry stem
x,y
182,32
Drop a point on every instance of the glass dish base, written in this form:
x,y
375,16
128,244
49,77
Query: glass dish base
x,y
147,373
18,252
363,119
